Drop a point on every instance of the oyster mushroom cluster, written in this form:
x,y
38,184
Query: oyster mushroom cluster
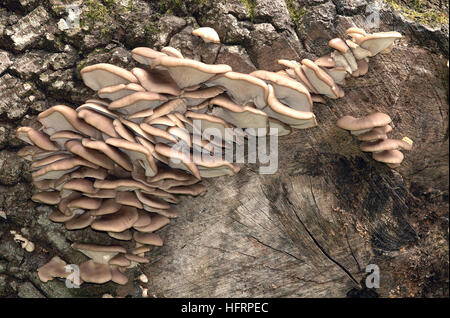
x,y
372,131
118,163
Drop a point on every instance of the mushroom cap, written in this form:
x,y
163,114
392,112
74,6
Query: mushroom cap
x,y
85,172
157,221
197,97
116,222
388,156
187,72
102,75
321,81
108,206
289,91
378,42
115,155
207,34
145,55
101,254
79,221
288,115
367,122
375,133
60,137
57,169
61,117
92,272
102,123
137,102
36,138
242,88
51,197
118,91
117,276
97,158
174,105
156,81
148,238
126,235
85,203
282,129
171,51
325,61
39,163
386,144
128,198
193,189
55,268
240,116
338,44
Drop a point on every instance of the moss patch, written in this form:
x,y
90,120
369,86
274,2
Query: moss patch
x,y
295,12
423,11
250,5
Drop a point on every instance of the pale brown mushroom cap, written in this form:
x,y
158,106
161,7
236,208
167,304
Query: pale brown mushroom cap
x,y
57,169
171,51
338,44
375,133
145,55
92,272
117,222
143,220
101,254
39,163
389,156
61,117
148,238
378,42
137,102
60,137
118,91
128,198
115,155
243,88
364,123
126,235
386,144
108,206
36,138
157,222
79,221
197,97
102,75
102,123
56,268
117,276
80,185
156,81
207,34
51,197
321,81
187,72
97,158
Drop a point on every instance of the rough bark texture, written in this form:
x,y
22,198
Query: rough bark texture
x,y
310,229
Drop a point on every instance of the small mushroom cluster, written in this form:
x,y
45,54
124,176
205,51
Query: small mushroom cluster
x,y
114,164
372,131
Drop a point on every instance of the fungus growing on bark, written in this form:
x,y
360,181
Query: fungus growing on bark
x,y
118,163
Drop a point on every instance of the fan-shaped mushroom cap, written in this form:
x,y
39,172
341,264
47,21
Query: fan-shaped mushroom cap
x,y
363,68
112,153
363,124
193,189
137,102
102,75
321,81
156,81
62,117
136,259
48,160
160,135
118,91
187,72
101,254
97,158
197,97
44,184
51,197
171,51
84,203
287,90
137,152
62,206
128,198
242,88
123,236
86,172
145,55
240,116
378,42
152,201
375,134
60,137
80,185
122,185
157,221
174,105
117,276
207,34
58,217
107,207
148,238
296,72
391,157
340,45
79,221
211,167
143,220
59,168
295,118
92,272
36,138
171,174
204,121
116,222
386,144
102,123
355,30
358,51
55,268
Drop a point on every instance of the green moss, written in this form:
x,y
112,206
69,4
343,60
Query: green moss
x,y
420,11
295,12
250,5
151,29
